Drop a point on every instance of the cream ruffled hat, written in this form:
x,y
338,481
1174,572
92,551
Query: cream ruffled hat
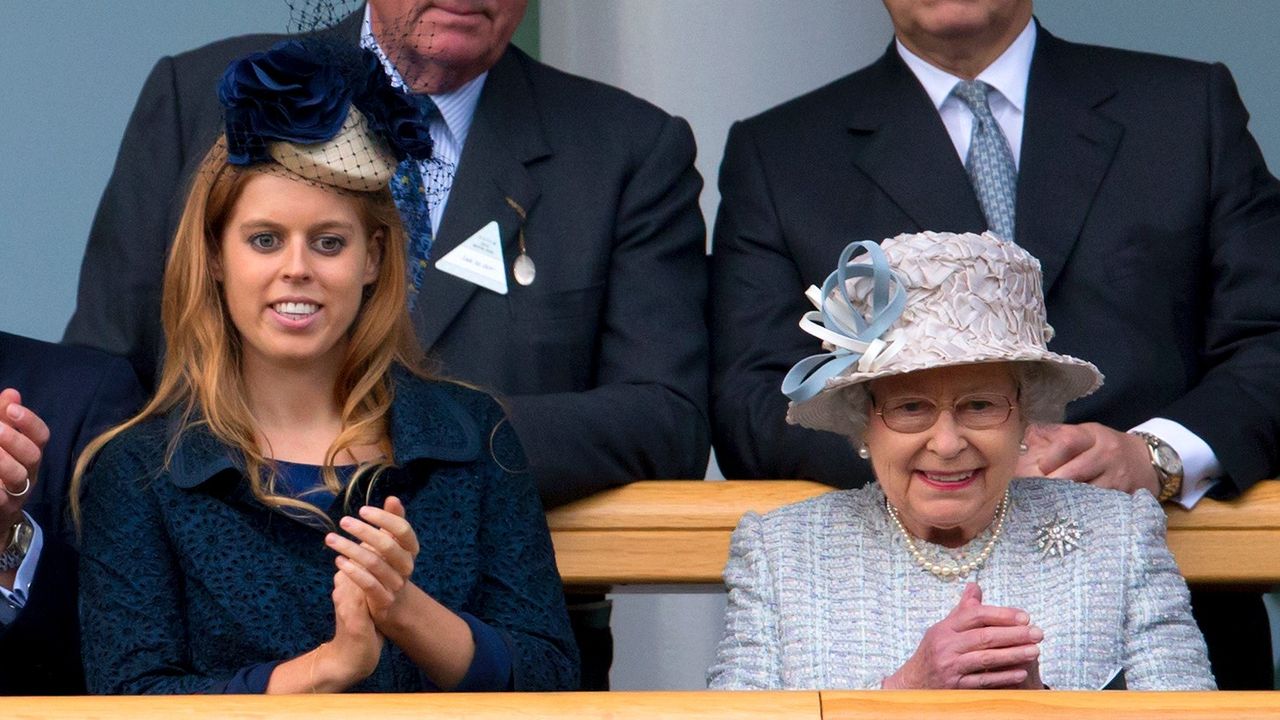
x,y
921,301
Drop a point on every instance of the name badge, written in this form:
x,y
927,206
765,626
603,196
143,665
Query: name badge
x,y
478,260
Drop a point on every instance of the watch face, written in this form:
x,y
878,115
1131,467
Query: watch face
x,y
21,536
1168,460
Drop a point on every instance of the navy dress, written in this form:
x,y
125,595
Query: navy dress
x,y
189,584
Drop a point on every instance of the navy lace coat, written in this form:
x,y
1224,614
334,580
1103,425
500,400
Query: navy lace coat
x,y
186,579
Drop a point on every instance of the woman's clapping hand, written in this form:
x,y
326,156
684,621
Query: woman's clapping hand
x,y
975,646
381,565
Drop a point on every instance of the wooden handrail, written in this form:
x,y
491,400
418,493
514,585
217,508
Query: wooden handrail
x,y
789,705
797,705
677,532
1019,704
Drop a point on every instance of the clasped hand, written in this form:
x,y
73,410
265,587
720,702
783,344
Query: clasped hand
x,y
372,585
975,646
23,436
381,565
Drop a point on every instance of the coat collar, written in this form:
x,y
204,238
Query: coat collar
x,y
903,147
506,134
427,423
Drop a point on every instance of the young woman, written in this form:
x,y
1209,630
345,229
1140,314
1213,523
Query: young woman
x,y
299,508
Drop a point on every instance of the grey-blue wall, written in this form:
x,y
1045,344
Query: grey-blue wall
x,y
1239,33
71,69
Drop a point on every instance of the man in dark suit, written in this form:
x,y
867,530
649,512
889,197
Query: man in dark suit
x,y
1134,180
601,359
55,399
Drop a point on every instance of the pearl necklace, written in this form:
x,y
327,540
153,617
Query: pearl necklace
x,y
946,572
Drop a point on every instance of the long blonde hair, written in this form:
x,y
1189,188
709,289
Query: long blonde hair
x,y
201,376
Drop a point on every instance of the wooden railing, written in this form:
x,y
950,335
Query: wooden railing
x,y
792,705
677,532
1056,705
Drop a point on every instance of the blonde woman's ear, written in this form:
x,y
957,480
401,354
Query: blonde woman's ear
x,y
373,259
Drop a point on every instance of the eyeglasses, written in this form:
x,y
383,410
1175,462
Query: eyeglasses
x,y
980,411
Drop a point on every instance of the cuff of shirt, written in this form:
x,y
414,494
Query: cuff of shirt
x,y
12,601
1200,467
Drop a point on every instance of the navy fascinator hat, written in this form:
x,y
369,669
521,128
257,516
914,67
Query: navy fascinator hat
x,y
323,111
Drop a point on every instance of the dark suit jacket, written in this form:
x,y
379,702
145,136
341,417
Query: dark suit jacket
x,y
601,361
78,393
1140,189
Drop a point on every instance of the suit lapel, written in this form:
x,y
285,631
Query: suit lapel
x,y
1067,147
902,146
505,134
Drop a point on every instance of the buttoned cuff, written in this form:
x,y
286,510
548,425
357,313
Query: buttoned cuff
x,y
1200,467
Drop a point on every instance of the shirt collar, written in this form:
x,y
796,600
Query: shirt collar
x,y
426,423
457,107
1008,74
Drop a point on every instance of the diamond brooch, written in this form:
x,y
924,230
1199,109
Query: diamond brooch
x,y
1057,537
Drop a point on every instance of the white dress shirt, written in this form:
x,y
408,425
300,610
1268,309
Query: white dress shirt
x,y
1008,76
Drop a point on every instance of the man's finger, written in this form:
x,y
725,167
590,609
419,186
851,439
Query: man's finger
x,y
27,422
20,447
1064,442
1086,467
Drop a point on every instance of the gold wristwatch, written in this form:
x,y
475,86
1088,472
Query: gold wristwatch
x,y
1167,464
16,543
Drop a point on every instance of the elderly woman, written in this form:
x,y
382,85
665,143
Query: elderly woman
x,y
948,572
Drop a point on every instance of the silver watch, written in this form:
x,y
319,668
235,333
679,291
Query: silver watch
x,y
17,542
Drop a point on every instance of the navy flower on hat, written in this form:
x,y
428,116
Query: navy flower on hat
x,y
302,94
285,94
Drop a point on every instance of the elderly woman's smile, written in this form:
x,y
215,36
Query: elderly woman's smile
x,y
945,477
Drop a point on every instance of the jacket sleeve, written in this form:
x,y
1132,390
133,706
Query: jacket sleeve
x,y
1163,646
118,300
1241,336
749,655
757,299
520,594
646,417
133,628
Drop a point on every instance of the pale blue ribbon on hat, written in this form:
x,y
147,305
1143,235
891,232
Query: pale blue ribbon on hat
x,y
855,339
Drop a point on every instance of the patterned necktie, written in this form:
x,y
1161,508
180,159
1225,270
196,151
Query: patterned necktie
x,y
410,194
990,160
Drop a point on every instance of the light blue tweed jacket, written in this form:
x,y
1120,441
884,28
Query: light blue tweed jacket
x,y
823,593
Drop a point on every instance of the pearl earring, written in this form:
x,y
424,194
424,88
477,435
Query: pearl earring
x,y
864,452
1022,448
